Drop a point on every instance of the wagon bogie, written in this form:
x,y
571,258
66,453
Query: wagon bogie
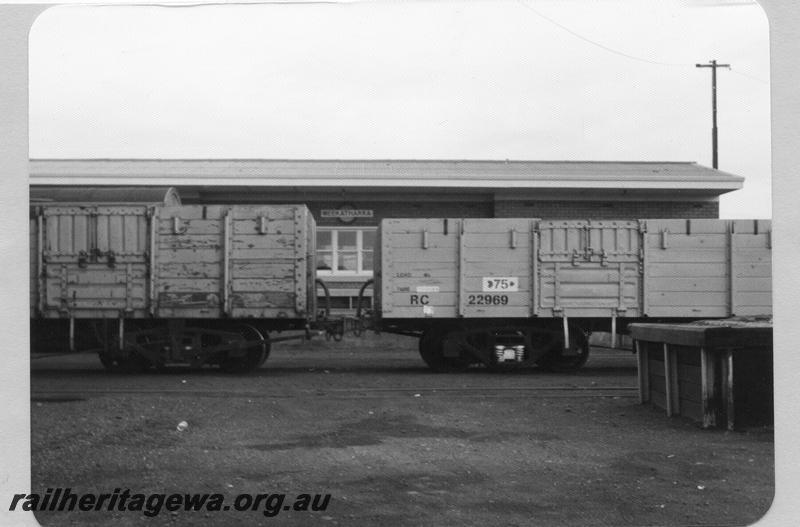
x,y
453,346
231,345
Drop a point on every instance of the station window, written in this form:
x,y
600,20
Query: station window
x,y
345,251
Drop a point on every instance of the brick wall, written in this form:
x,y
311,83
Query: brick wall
x,y
410,206
606,210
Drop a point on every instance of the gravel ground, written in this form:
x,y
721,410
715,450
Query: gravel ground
x,y
393,444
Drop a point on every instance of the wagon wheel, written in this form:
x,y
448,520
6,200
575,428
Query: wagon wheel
x,y
133,363
265,348
430,349
255,356
114,361
561,360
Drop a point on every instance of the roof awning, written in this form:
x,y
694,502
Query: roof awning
x,y
387,174
106,195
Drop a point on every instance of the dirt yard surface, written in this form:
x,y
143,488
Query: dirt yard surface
x,y
393,444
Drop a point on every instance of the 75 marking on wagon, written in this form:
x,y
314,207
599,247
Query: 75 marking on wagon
x,y
507,284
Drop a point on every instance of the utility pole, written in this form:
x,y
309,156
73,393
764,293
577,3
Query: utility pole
x,y
713,65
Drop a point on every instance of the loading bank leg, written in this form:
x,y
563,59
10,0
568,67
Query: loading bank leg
x,y
121,333
613,331
71,334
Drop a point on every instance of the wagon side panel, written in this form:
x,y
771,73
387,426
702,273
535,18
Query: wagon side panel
x,y
236,261
377,273
419,268
311,264
268,261
34,261
707,268
189,255
496,268
751,267
589,268
93,261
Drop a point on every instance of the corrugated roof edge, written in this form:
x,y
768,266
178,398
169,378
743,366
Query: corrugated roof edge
x,y
386,161
365,160
382,172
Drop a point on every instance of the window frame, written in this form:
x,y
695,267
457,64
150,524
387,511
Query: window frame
x,y
334,252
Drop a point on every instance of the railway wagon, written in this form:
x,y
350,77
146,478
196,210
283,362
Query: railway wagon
x,y
523,291
157,284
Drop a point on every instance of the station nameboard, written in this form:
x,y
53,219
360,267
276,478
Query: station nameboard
x,y
346,213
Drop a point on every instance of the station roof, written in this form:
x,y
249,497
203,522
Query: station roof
x,y
386,174
67,194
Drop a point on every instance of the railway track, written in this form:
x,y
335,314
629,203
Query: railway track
x,y
55,395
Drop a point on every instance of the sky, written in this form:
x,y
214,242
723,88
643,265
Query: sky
x,y
518,79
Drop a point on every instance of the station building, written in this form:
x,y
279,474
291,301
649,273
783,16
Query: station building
x,y
349,198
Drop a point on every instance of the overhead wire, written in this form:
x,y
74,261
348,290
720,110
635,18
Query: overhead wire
x,y
747,75
618,52
594,43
